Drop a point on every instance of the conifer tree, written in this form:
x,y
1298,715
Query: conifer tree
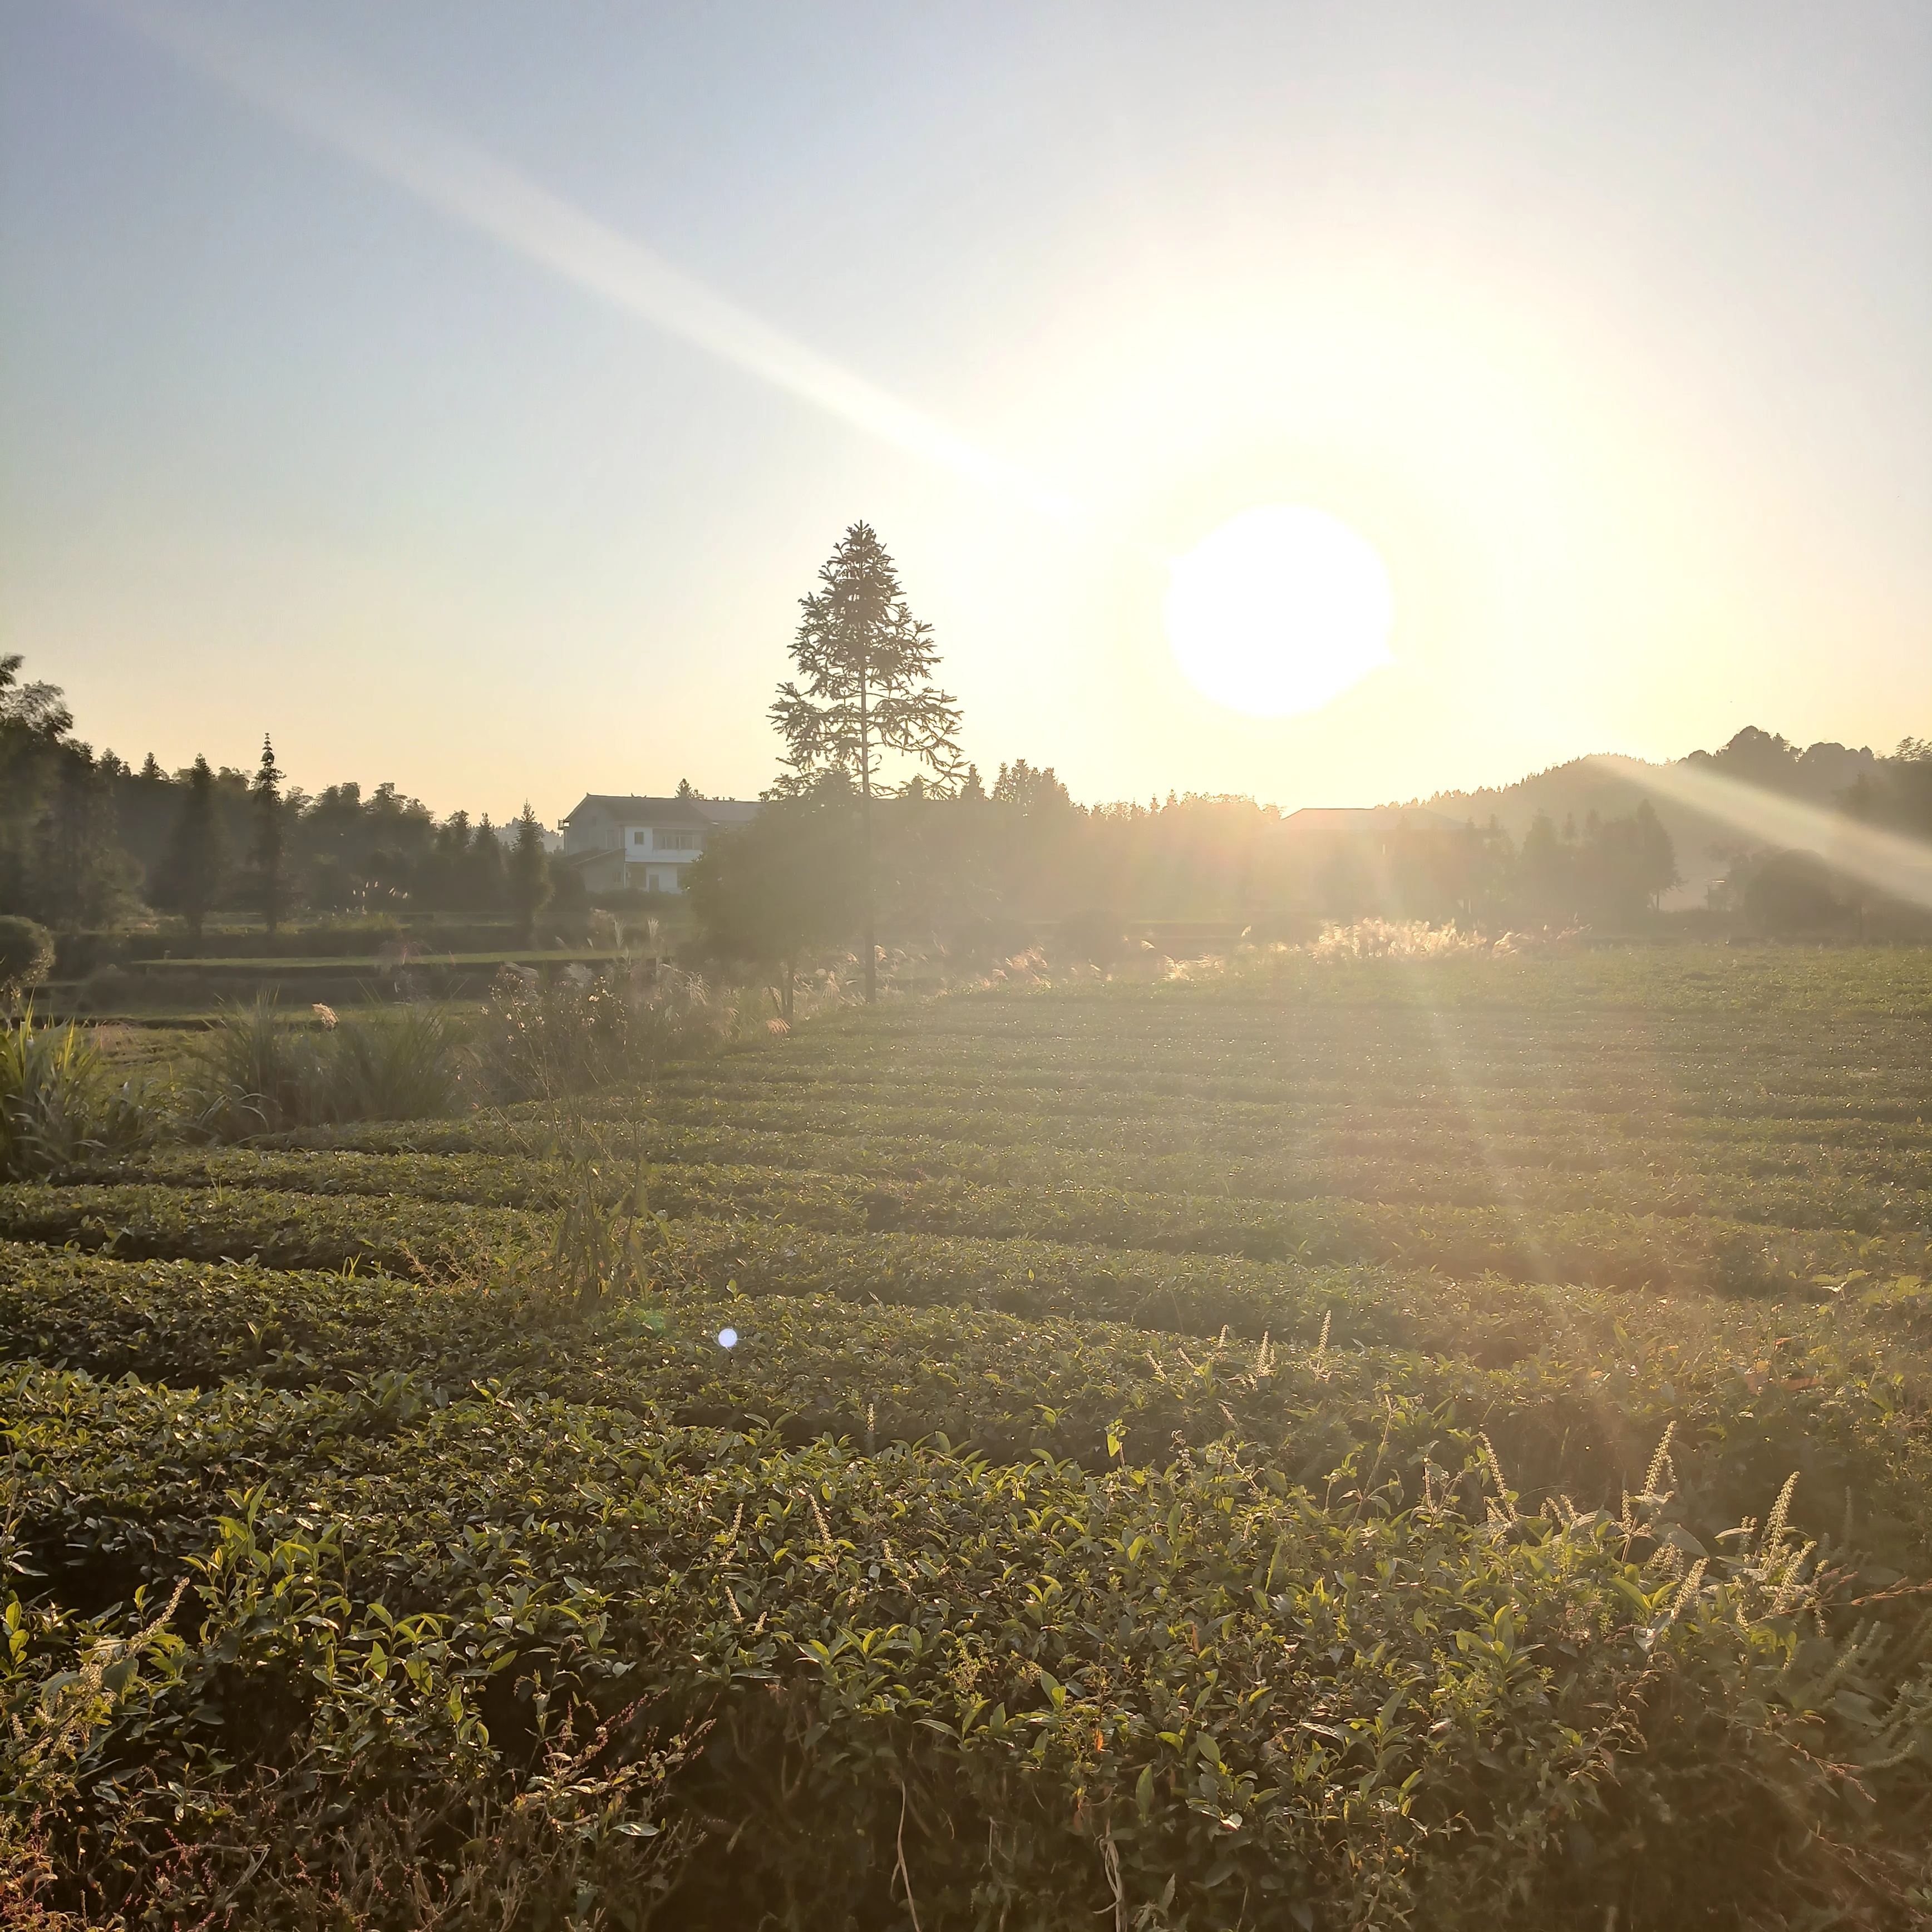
x,y
81,876
865,664
530,873
270,881
34,720
197,864
445,880
483,869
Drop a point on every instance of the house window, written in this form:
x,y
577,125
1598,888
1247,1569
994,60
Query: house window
x,y
680,841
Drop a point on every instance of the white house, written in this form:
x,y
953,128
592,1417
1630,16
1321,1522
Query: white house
x,y
622,843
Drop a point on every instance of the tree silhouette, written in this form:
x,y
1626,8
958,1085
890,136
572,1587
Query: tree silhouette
x,y
529,873
265,796
81,876
865,663
771,891
483,881
196,861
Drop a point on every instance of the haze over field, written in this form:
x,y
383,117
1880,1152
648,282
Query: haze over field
x,y
454,395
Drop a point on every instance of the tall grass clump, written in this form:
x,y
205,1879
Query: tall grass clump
x,y
259,1075
1408,939
606,1229
408,1065
255,1072
26,956
61,1102
1416,941
548,1041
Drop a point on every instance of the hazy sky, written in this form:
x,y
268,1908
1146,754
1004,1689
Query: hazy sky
x,y
338,398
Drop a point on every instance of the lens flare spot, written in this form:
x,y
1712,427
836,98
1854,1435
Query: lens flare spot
x,y
728,1338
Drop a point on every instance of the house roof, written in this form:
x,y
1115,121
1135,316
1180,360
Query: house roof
x,y
632,809
1360,819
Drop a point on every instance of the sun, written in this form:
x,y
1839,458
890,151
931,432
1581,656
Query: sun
x,y
1279,611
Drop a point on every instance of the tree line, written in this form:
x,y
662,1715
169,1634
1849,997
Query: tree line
x,y
977,870
876,822
87,841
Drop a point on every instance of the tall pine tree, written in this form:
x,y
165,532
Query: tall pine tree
x,y
269,865
866,664
529,873
483,870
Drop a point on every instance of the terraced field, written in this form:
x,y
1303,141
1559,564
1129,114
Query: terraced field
x,y
1188,1455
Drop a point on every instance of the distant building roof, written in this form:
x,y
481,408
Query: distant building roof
x,y
1356,820
631,809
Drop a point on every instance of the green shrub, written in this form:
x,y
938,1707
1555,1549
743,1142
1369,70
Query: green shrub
x,y
255,1072
606,1229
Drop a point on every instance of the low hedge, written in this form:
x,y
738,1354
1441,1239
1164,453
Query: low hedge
x,y
399,1236
495,1627
1009,1386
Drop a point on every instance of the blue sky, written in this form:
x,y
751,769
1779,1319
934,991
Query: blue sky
x,y
1609,333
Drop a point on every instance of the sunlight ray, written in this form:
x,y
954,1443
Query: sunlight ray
x,y
309,90
1483,1125
1886,861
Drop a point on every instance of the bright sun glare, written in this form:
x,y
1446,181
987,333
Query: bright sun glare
x,y
1279,611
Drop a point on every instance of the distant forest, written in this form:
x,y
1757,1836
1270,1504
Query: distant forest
x,y
1714,864
88,842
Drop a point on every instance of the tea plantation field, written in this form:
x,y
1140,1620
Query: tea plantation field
x,y
1310,1449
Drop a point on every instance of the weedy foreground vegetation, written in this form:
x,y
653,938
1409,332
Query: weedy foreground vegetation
x,y
1346,1444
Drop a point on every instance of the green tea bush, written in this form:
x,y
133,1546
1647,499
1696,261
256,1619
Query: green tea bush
x,y
283,1231
1004,1386
1600,1249
1186,1458
533,1180
974,1690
